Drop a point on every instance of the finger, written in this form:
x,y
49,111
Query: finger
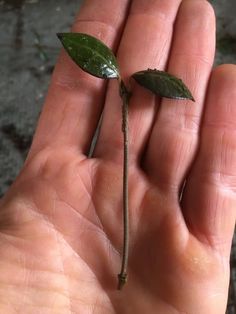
x,y
174,136
75,98
145,43
209,199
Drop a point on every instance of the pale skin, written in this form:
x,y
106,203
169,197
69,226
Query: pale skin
x,y
61,221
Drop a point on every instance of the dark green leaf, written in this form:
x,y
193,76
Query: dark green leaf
x,y
90,54
163,84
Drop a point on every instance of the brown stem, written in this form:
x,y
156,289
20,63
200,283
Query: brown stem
x,y
125,95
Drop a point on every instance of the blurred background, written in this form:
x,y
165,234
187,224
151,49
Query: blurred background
x,y
28,52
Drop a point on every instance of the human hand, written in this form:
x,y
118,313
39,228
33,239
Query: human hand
x,y
61,221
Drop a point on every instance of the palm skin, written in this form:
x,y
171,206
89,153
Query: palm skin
x,y
61,221
64,232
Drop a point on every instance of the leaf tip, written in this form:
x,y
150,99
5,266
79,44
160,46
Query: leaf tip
x,y
60,36
191,98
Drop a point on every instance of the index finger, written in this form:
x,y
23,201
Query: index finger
x,y
75,99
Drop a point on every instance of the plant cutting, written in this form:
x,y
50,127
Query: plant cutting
x,y
95,58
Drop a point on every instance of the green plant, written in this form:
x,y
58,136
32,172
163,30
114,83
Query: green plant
x,y
95,58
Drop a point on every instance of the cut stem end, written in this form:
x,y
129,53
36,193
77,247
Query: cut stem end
x,y
122,279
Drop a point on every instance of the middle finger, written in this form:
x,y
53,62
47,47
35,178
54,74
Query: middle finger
x,y
145,44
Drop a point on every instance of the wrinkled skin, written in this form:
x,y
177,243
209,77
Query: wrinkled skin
x,y
61,221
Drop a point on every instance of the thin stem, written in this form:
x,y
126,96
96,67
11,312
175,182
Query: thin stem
x,y
95,137
122,276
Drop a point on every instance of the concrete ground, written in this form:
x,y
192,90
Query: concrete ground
x,y
28,52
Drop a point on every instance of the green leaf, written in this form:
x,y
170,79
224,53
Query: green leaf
x,y
163,84
90,54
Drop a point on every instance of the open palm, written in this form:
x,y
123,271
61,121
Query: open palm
x,y
61,221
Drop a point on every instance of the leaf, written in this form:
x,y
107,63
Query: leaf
x,y
163,84
90,54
